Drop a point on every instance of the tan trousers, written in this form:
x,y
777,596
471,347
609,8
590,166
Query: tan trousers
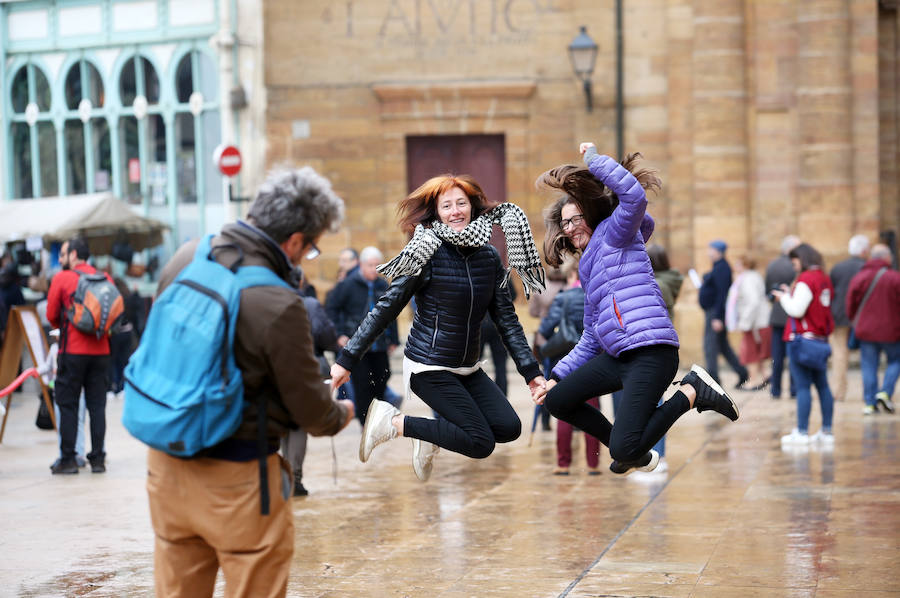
x,y
206,514
840,355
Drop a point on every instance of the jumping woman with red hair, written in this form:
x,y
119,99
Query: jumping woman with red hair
x,y
457,278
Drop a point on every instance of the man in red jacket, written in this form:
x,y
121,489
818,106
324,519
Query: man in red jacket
x,y
878,327
82,363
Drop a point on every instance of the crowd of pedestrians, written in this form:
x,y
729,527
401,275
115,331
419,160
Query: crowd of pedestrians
x,y
606,310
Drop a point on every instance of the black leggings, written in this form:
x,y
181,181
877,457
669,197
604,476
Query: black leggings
x,y
475,415
644,374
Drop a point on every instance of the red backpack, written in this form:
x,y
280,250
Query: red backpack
x,y
97,305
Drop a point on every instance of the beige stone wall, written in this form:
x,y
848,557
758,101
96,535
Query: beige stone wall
x,y
764,117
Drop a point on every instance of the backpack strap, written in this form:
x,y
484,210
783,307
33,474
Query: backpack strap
x,y
259,276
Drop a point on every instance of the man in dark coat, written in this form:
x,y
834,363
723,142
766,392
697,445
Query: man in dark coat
x,y
841,274
779,271
713,293
347,305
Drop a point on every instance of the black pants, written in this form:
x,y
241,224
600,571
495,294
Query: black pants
x,y
475,415
643,374
77,372
369,379
715,343
491,338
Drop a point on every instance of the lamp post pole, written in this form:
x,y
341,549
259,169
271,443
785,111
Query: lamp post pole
x,y
620,95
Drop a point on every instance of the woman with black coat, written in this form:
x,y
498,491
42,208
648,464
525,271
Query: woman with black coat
x,y
457,278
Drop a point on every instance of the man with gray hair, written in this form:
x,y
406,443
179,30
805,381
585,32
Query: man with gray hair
x,y
877,326
347,305
841,274
206,510
779,271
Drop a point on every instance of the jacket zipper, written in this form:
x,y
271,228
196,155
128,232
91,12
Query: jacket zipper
x,y
434,336
618,314
471,301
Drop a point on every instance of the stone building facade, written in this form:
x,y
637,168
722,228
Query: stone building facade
x,y
764,117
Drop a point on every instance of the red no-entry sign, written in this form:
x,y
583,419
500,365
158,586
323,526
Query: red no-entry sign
x,y
228,159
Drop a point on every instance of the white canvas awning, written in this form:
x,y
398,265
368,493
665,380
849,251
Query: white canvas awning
x,y
100,218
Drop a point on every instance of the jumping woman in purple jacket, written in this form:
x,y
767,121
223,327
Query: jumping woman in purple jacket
x,y
628,342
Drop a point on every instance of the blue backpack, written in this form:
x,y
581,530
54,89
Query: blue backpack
x,y
184,392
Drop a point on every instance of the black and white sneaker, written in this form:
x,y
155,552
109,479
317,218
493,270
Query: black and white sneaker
x,y
710,395
648,463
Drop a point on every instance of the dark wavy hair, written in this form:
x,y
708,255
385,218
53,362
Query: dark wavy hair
x,y
808,256
595,201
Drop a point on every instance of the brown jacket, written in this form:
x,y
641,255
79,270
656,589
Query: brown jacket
x,y
273,344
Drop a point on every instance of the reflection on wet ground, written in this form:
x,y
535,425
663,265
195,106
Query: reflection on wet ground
x,y
734,516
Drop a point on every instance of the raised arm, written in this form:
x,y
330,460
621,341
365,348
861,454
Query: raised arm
x,y
628,217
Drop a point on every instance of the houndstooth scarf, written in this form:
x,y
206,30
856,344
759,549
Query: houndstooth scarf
x,y
522,253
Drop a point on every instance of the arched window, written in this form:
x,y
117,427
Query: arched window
x,y
34,171
142,133
88,157
197,128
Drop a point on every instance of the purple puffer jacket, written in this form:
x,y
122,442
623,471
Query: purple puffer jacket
x,y
623,306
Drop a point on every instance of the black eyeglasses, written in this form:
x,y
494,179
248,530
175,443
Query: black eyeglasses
x,y
313,252
573,221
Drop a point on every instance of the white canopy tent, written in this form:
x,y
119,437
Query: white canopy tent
x,y
100,218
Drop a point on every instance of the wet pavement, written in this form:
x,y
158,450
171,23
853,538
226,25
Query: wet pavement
x,y
734,516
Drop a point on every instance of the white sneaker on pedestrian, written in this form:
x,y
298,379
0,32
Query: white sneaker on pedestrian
x,y
796,438
884,401
423,458
869,410
378,428
823,439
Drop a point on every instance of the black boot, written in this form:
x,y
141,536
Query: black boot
x,y
299,490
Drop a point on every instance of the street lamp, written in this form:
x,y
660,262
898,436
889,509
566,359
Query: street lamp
x,y
583,53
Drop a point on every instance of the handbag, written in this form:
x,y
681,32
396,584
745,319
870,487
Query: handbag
x,y
809,352
564,340
852,341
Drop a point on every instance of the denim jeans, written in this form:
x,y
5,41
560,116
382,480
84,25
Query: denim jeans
x,y
870,355
805,378
779,352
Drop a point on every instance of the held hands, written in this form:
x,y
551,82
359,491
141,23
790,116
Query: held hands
x,y
343,340
540,392
584,147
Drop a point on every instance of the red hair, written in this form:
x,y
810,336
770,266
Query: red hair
x,y
420,206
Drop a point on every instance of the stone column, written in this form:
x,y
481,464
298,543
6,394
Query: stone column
x,y
720,194
825,191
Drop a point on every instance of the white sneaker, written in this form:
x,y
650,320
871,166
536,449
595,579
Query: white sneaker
x,y
377,428
823,439
796,438
662,466
423,458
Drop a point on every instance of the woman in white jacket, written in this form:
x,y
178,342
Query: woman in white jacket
x,y
747,310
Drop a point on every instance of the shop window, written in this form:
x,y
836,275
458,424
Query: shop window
x,y
197,128
76,181
83,74
88,157
131,159
138,78
33,135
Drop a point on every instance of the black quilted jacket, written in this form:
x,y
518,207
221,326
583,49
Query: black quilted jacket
x,y
453,293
